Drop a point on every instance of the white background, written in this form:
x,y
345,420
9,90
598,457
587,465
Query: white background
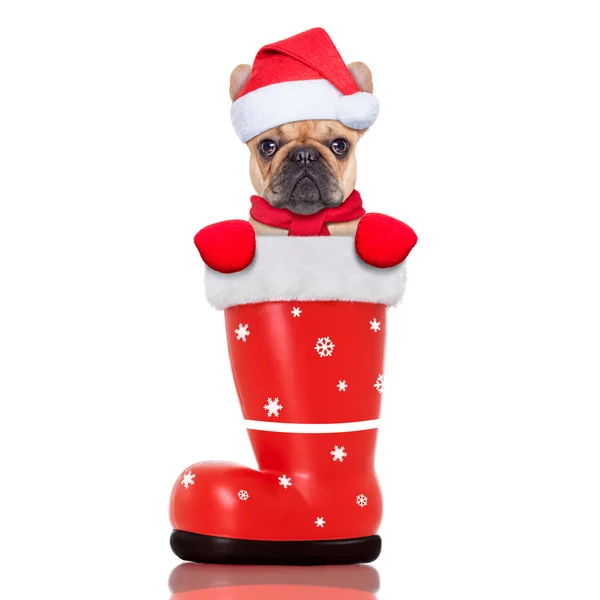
x,y
116,147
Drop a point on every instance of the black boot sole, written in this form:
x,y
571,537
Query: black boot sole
x,y
208,549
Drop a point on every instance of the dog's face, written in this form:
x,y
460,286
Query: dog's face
x,y
304,166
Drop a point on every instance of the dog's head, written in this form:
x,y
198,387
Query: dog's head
x,y
304,166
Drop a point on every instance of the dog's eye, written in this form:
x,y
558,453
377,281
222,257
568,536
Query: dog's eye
x,y
340,146
268,147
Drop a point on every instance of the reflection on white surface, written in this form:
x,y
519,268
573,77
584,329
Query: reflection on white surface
x,y
228,582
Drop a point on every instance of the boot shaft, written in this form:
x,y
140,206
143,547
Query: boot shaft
x,y
306,375
306,328
320,367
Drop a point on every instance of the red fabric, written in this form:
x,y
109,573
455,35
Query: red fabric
x,y
299,361
308,55
306,225
383,241
228,246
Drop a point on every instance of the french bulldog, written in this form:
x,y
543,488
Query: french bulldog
x,y
304,166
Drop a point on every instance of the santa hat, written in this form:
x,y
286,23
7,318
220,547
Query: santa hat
x,y
301,78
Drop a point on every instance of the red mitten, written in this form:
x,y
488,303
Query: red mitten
x,y
228,246
383,241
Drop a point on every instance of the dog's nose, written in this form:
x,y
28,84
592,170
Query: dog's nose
x,y
303,155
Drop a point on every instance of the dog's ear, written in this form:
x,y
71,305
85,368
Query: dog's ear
x,y
362,76
238,79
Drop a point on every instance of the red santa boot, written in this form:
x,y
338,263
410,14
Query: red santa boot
x,y
306,324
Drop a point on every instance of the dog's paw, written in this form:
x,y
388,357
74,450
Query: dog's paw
x,y
383,241
228,246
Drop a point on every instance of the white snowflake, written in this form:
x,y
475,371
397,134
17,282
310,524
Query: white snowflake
x,y
272,407
375,325
242,332
320,522
339,454
243,495
188,479
285,481
324,347
379,384
342,386
296,312
362,500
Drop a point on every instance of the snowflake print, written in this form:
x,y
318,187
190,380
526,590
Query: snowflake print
x,y
362,500
188,479
243,495
296,312
324,347
375,325
320,522
339,454
378,385
285,482
242,332
342,386
272,407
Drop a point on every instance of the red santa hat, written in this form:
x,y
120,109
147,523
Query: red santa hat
x,y
301,78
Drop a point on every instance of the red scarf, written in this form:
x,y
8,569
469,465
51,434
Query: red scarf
x,y
306,225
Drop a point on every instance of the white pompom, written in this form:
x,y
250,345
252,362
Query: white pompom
x,y
358,111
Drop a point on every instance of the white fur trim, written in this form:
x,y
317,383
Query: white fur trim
x,y
290,101
306,268
358,111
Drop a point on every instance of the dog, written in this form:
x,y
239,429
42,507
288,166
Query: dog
x,y
304,166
